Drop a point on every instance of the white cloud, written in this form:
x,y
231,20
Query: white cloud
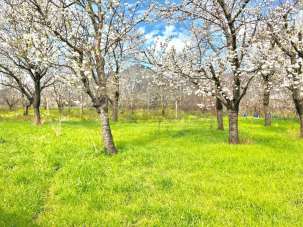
x,y
141,30
176,39
299,19
169,30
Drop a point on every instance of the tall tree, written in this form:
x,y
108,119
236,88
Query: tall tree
x,y
26,55
264,54
231,28
285,28
89,30
120,56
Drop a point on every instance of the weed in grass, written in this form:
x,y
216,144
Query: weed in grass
x,y
2,141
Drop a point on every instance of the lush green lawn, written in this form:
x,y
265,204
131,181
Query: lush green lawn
x,y
166,174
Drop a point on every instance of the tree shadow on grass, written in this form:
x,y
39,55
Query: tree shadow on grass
x,y
11,219
170,136
82,123
206,136
170,133
275,140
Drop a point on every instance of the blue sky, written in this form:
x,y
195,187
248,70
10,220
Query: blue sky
x,y
163,30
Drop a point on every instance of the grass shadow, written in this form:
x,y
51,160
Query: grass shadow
x,y
11,219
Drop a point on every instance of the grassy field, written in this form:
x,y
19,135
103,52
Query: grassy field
x,y
168,173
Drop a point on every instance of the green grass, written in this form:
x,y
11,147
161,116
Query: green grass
x,y
168,173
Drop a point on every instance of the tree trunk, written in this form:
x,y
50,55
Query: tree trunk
x,y
267,114
301,126
115,112
81,110
100,101
298,101
37,103
37,115
26,108
177,108
219,110
108,140
81,106
162,106
163,111
10,107
26,103
132,105
69,102
47,106
60,108
148,102
233,127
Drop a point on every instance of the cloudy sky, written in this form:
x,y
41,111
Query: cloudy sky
x,y
178,36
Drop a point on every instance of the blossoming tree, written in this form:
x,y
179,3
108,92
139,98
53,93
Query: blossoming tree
x,y
27,55
88,30
286,30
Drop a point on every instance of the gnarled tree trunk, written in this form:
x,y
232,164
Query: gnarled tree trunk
x,y
219,111
233,127
37,103
108,140
37,114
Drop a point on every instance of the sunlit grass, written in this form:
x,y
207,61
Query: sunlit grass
x,y
168,173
